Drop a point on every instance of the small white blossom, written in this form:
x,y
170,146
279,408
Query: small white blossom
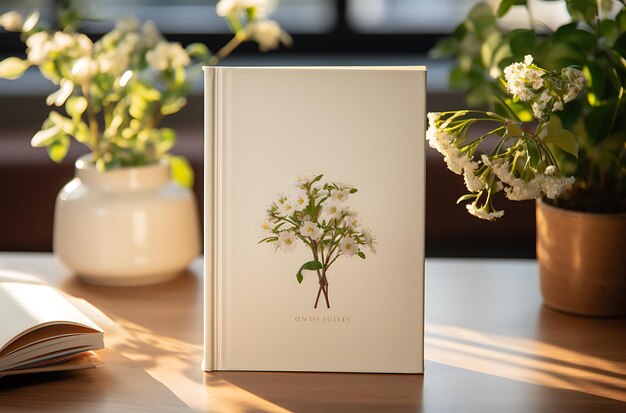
x,y
522,80
300,200
576,82
339,195
12,21
311,230
84,70
287,241
352,221
441,140
482,212
150,34
62,41
38,47
285,207
539,105
519,189
333,210
261,7
369,239
266,227
268,34
553,186
472,182
348,246
167,54
59,97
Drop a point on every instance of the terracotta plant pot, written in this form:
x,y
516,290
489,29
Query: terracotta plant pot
x,y
582,261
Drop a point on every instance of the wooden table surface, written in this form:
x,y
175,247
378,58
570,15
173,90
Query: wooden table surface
x,y
490,347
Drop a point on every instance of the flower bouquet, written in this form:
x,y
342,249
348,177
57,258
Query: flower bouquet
x,y
318,216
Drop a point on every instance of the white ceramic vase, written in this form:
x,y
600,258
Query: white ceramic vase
x,y
128,226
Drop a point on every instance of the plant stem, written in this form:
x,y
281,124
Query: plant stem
x,y
93,123
228,48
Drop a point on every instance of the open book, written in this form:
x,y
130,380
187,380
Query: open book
x,y
42,329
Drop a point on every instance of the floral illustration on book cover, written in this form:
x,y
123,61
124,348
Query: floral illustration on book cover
x,y
318,216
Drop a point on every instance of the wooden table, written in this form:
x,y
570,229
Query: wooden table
x,y
490,346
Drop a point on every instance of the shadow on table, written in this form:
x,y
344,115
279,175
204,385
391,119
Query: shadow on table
x,y
119,385
442,388
146,330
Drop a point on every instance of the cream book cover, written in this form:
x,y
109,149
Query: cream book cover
x,y
314,219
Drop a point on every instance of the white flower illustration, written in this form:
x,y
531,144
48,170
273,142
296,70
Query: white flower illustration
x,y
333,210
300,200
311,230
285,206
340,195
287,241
349,246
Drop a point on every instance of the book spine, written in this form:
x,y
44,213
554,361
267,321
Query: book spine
x,y
211,185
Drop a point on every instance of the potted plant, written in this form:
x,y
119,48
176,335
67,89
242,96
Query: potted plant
x,y
129,216
556,99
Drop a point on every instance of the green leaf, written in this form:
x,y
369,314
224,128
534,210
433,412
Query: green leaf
x,y
599,120
533,152
75,106
81,134
174,106
310,266
167,139
317,178
505,5
583,10
13,67
514,130
353,191
445,48
521,41
62,122
182,173
564,139
466,197
596,83
480,18
361,254
609,30
621,20
198,51
146,91
57,150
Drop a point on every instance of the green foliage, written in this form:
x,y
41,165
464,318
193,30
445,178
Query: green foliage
x,y
181,171
310,266
117,90
595,42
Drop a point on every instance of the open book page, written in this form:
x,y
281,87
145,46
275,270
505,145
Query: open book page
x,y
42,327
85,360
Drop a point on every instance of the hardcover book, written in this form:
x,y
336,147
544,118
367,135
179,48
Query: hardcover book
x,y
314,219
